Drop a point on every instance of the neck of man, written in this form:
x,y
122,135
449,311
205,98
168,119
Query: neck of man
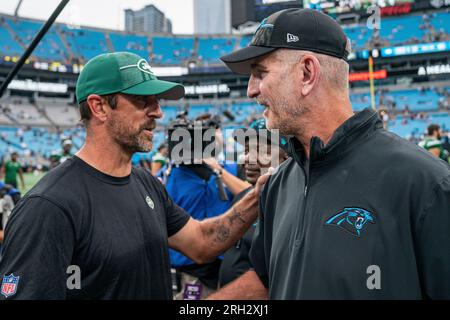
x,y
326,115
105,155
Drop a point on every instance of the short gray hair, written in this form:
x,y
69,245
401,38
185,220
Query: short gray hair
x,y
334,71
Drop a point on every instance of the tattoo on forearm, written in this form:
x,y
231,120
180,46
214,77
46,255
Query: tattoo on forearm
x,y
236,215
221,229
222,233
218,230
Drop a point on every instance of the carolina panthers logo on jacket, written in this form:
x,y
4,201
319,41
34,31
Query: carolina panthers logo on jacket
x,y
352,220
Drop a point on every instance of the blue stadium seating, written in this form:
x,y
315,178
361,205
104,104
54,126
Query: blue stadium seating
x,y
170,50
129,42
50,47
44,141
243,110
401,29
170,113
210,50
197,110
358,35
8,45
441,20
85,43
38,140
360,101
415,100
418,127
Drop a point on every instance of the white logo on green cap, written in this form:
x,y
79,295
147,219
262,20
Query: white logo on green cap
x,y
141,65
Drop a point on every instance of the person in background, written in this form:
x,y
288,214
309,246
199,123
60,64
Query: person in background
x,y
160,159
236,260
433,144
11,169
195,188
66,150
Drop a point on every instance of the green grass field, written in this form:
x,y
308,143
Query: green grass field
x,y
30,180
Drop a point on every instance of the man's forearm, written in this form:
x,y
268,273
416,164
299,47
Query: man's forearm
x,y
246,287
221,232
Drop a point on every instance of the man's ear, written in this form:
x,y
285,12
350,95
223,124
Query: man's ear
x,y
310,67
98,107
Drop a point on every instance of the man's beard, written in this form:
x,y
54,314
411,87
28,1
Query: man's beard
x,y
130,139
286,116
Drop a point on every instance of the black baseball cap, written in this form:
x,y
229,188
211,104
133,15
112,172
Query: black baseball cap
x,y
299,29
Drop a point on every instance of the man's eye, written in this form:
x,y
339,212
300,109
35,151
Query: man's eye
x,y
143,103
262,73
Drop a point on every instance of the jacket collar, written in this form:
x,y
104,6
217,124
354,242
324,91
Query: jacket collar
x,y
350,132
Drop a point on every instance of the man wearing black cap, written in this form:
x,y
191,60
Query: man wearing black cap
x,y
357,212
96,228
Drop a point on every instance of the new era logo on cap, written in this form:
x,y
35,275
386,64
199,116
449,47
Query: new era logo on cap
x,y
291,38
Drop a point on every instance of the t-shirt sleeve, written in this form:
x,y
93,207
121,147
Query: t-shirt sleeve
x,y
176,217
257,251
37,249
434,244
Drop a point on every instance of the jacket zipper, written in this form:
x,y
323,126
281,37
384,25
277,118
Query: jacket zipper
x,y
300,237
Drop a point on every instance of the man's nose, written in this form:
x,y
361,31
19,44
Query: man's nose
x,y
253,87
155,112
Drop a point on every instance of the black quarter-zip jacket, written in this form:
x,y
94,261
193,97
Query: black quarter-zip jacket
x,y
365,217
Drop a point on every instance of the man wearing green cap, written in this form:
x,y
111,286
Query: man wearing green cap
x,y
96,228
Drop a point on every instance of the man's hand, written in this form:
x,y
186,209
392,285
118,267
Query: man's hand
x,y
212,163
262,181
246,287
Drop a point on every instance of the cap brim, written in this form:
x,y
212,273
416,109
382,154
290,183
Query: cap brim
x,y
162,89
240,61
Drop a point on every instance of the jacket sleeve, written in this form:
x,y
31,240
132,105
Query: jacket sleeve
x,y
38,247
434,244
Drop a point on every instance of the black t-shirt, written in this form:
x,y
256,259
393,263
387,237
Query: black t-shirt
x,y
114,229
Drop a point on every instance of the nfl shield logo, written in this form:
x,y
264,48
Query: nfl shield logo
x,y
9,285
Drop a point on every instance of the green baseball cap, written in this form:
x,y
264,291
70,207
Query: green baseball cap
x,y
123,72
